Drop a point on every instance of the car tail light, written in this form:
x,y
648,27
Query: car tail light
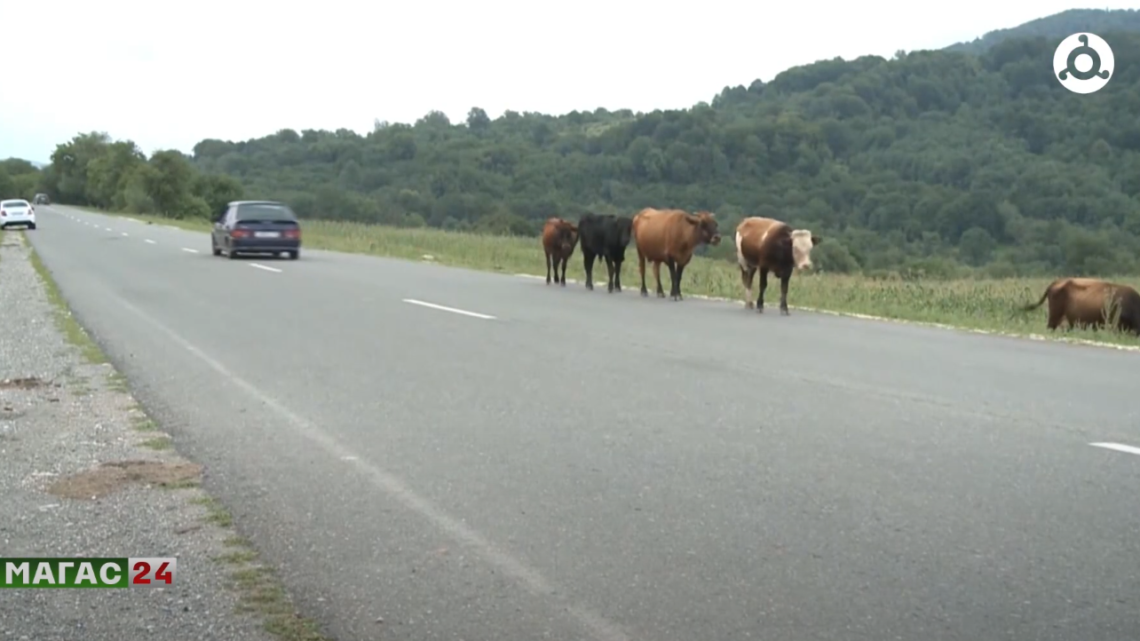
x,y
3,213
239,233
293,233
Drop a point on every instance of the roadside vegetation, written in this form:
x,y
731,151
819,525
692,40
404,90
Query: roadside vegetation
x,y
950,186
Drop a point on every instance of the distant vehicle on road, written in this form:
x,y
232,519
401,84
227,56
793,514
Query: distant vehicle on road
x,y
41,199
17,212
256,227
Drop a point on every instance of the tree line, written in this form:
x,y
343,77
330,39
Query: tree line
x,y
929,164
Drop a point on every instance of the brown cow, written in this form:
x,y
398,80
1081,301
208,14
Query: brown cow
x,y
669,236
771,245
558,240
1085,302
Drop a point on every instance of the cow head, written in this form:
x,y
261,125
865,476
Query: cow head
x,y
802,243
625,231
568,237
706,227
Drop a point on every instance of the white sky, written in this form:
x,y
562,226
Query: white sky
x,y
169,75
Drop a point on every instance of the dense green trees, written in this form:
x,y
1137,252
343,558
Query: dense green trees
x,y
91,169
19,179
932,162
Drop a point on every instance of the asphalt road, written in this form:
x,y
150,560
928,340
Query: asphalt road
x,y
577,465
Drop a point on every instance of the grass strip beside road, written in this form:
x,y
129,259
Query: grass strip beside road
x,y
988,305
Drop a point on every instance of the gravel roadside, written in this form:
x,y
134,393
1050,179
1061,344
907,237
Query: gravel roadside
x,y
85,472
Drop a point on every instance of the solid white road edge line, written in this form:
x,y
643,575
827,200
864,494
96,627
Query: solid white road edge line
x,y
525,576
268,269
1118,447
448,309
192,251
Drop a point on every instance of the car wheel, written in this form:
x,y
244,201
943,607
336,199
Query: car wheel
x,y
231,254
32,226
214,247
294,255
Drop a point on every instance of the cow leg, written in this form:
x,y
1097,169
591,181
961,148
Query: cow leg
x,y
548,269
676,283
641,268
747,276
609,274
588,263
617,274
565,259
657,275
763,286
784,280
672,265
1054,321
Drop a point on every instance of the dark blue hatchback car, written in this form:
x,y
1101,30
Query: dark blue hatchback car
x,y
256,227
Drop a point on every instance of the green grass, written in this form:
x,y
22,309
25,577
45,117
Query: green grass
x,y
73,332
159,443
976,304
117,382
143,424
259,590
216,513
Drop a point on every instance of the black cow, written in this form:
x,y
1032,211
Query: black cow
x,y
606,236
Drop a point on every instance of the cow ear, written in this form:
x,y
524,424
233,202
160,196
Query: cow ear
x,y
815,240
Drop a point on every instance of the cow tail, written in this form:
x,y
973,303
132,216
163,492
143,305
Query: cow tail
x,y
1033,306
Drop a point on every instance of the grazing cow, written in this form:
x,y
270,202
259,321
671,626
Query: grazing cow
x,y
669,236
558,240
1090,302
771,245
606,236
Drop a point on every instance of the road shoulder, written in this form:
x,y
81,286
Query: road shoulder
x,y
87,473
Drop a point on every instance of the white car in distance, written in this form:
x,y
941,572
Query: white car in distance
x,y
17,212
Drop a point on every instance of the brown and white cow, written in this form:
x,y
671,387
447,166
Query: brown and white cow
x,y
771,245
558,240
669,236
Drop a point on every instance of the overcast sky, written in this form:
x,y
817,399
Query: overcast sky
x,y
169,75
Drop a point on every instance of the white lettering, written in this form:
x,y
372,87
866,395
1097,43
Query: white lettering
x,y
43,570
13,571
85,573
63,565
107,580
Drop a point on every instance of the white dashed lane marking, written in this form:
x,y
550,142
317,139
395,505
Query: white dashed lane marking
x,y
448,309
126,234
1128,449
192,251
268,269
151,241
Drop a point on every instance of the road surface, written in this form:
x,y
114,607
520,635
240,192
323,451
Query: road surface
x,y
567,464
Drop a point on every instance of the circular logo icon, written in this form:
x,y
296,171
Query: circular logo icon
x,y
1083,63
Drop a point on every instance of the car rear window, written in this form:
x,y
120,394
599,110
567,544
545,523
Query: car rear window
x,y
13,204
266,212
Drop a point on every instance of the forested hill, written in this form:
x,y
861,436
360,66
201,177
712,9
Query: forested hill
x,y
1057,27
926,161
